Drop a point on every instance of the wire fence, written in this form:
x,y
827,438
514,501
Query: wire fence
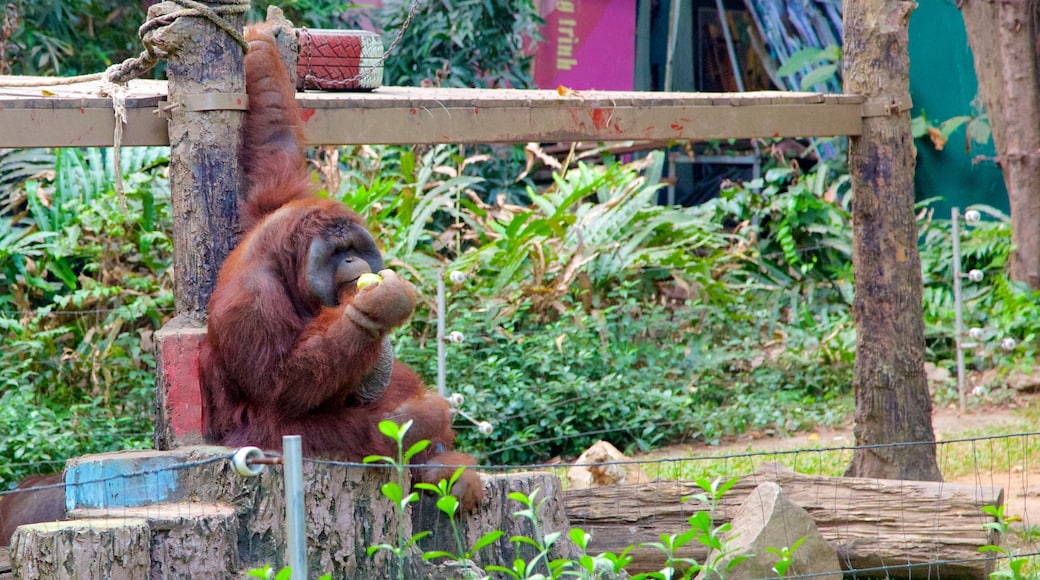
x,y
883,528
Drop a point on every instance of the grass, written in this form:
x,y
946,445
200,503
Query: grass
x,y
991,453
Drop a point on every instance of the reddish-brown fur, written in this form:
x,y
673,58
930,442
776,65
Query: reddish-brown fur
x,y
20,508
279,362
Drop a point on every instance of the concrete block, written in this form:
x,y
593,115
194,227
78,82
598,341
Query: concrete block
x,y
179,401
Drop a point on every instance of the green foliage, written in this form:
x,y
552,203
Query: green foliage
x,y
998,305
461,43
784,554
976,126
395,491
541,542
268,573
592,284
820,65
449,506
87,284
68,37
1018,567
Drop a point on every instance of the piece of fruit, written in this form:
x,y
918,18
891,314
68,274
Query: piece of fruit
x,y
368,279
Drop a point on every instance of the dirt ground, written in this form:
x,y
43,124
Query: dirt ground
x,y
1021,483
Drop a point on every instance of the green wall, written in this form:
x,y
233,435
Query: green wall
x,y
943,83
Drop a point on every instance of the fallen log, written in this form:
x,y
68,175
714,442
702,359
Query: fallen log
x,y
897,528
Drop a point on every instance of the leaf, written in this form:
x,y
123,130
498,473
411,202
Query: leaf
x,y
818,76
579,537
392,491
373,549
448,504
805,57
438,554
952,124
918,126
391,429
938,139
486,540
979,130
415,538
416,448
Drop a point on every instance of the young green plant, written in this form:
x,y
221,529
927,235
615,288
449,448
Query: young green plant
x,y
395,491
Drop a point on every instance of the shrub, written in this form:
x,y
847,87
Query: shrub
x,y
89,283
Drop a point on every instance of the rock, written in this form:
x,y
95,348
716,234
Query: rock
x,y
1025,381
937,376
614,471
454,570
767,519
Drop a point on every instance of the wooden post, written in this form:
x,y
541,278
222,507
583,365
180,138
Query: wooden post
x,y
206,102
892,400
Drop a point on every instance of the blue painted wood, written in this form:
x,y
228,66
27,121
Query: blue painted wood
x,y
116,482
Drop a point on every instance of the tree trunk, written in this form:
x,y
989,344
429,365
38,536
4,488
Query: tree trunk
x,y
207,91
892,400
1003,38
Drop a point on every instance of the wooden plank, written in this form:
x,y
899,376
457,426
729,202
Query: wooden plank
x,y
76,116
929,528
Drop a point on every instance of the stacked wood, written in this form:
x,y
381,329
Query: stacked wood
x,y
906,526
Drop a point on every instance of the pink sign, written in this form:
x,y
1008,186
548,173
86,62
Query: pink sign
x,y
587,44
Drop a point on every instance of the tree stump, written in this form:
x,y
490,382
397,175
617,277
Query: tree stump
x,y
115,549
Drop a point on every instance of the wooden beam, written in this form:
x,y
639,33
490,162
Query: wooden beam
x,y
74,116
912,528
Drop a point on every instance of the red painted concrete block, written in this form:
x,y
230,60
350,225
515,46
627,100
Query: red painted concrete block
x,y
180,405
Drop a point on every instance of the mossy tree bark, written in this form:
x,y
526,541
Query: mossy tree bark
x,y
892,400
1003,38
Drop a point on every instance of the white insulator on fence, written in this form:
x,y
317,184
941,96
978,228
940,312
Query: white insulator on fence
x,y
976,275
457,277
1008,344
242,461
972,216
455,399
456,337
485,428
976,333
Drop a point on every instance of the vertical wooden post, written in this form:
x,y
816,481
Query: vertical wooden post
x,y
207,106
892,400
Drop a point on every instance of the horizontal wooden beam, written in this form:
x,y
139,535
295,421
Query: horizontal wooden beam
x,y
76,116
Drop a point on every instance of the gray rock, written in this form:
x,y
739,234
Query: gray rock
x,y
767,519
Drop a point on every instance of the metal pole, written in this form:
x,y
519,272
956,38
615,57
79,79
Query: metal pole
x,y
442,389
295,526
958,320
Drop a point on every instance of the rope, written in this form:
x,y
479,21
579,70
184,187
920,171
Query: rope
x,y
115,77
118,93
